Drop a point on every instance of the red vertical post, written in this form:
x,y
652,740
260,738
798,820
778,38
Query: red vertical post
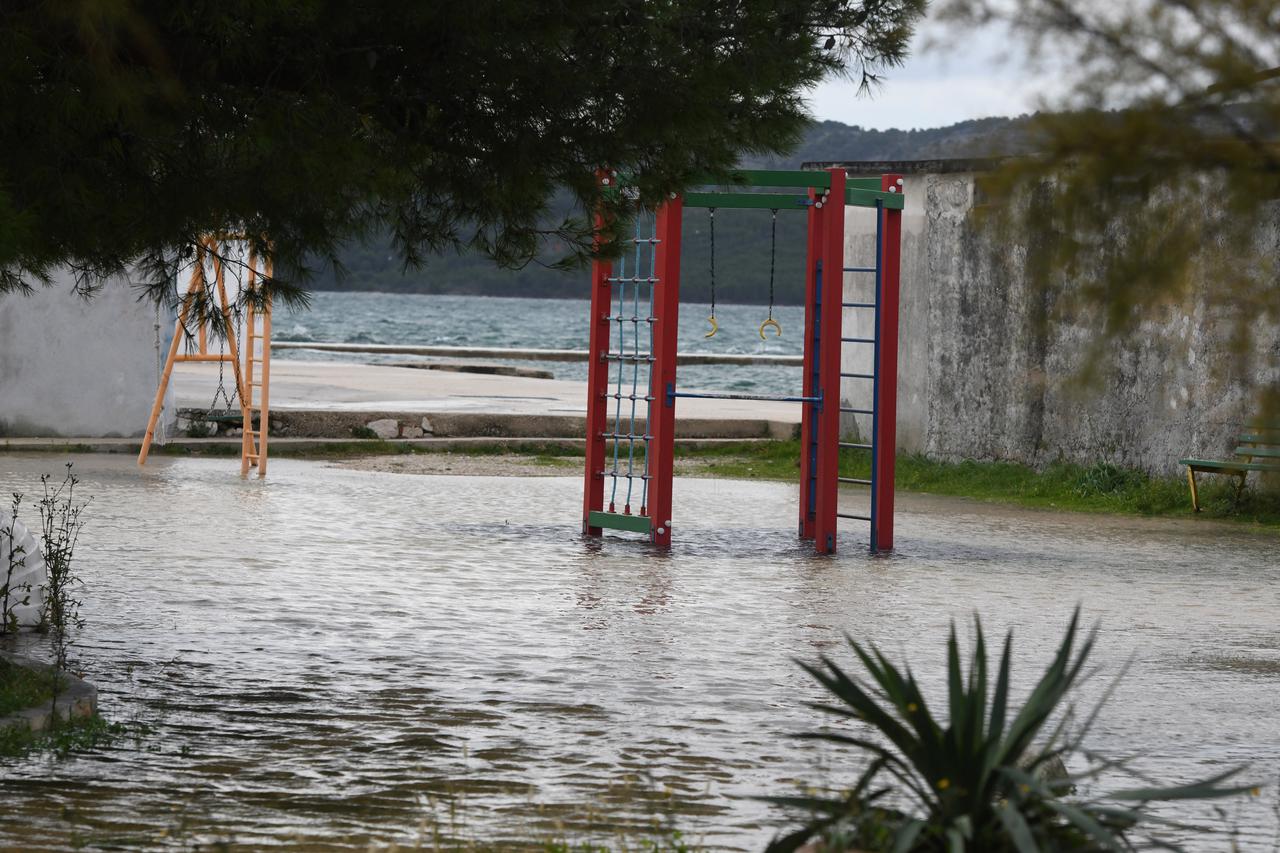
x,y
597,381
887,359
662,375
808,413
830,299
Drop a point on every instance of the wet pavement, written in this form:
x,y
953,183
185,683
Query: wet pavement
x,y
335,658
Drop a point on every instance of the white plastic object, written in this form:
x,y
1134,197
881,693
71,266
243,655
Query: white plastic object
x,y
29,576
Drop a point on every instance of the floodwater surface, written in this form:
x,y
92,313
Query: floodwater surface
x,y
336,659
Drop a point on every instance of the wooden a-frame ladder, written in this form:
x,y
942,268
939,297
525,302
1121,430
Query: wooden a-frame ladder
x,y
253,445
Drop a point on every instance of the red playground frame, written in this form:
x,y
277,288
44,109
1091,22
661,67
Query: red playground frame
x,y
631,386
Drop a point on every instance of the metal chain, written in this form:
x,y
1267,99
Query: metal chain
x,y
712,215
228,325
773,255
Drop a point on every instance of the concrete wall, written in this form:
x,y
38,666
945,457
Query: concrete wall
x,y
70,367
989,371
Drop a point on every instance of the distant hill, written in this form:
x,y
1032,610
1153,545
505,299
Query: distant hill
x,y
742,236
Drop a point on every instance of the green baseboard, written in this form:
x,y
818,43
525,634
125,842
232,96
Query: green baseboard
x,y
618,521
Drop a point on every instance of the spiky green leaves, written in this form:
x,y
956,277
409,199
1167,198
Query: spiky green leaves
x,y
974,779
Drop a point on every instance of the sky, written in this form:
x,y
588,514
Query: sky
x,y
938,86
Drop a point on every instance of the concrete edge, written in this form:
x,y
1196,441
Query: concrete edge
x,y
77,701
285,447
343,424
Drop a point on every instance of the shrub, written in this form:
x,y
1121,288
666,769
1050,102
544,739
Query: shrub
x,y
1104,478
974,780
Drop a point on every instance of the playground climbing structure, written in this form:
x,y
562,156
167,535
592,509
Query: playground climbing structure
x,y
632,386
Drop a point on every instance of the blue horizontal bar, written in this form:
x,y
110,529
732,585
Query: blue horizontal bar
x,y
858,304
859,269
858,375
851,515
858,411
764,397
859,340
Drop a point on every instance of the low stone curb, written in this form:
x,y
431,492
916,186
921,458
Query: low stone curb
x,y
285,446
391,425
77,700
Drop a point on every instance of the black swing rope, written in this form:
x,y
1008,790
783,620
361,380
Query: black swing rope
x,y
715,327
773,256
773,264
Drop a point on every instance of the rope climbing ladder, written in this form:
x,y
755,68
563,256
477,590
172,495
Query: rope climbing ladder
x,y
623,458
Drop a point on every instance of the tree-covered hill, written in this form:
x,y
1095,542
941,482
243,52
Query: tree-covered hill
x,y
742,236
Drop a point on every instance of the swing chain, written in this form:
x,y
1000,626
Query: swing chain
x,y
773,255
222,367
712,219
229,320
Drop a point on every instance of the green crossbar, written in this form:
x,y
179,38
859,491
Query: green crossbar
x,y
872,184
868,198
780,201
784,178
770,178
618,521
763,201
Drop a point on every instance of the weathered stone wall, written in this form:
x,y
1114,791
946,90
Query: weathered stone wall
x,y
988,370
76,368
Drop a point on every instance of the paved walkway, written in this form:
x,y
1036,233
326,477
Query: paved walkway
x,y
338,386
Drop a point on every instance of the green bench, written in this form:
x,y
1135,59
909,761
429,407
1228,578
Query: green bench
x,y
1256,450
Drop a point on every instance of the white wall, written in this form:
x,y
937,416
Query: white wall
x,y
76,368
988,370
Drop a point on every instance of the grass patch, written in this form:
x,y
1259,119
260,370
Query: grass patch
x,y
339,449
79,735
548,450
1098,488
10,447
21,688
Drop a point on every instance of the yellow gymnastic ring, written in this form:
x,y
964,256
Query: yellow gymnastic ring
x,y
715,327
777,328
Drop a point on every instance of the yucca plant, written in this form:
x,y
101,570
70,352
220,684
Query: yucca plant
x,y
975,780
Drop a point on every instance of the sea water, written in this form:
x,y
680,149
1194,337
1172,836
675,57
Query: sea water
x,y
485,321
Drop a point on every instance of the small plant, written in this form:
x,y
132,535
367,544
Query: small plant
x,y
362,432
14,593
1104,478
60,525
974,781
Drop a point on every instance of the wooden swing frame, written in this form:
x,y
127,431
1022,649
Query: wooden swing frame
x,y
253,445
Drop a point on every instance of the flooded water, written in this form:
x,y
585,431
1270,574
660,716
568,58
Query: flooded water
x,y
495,321
336,659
